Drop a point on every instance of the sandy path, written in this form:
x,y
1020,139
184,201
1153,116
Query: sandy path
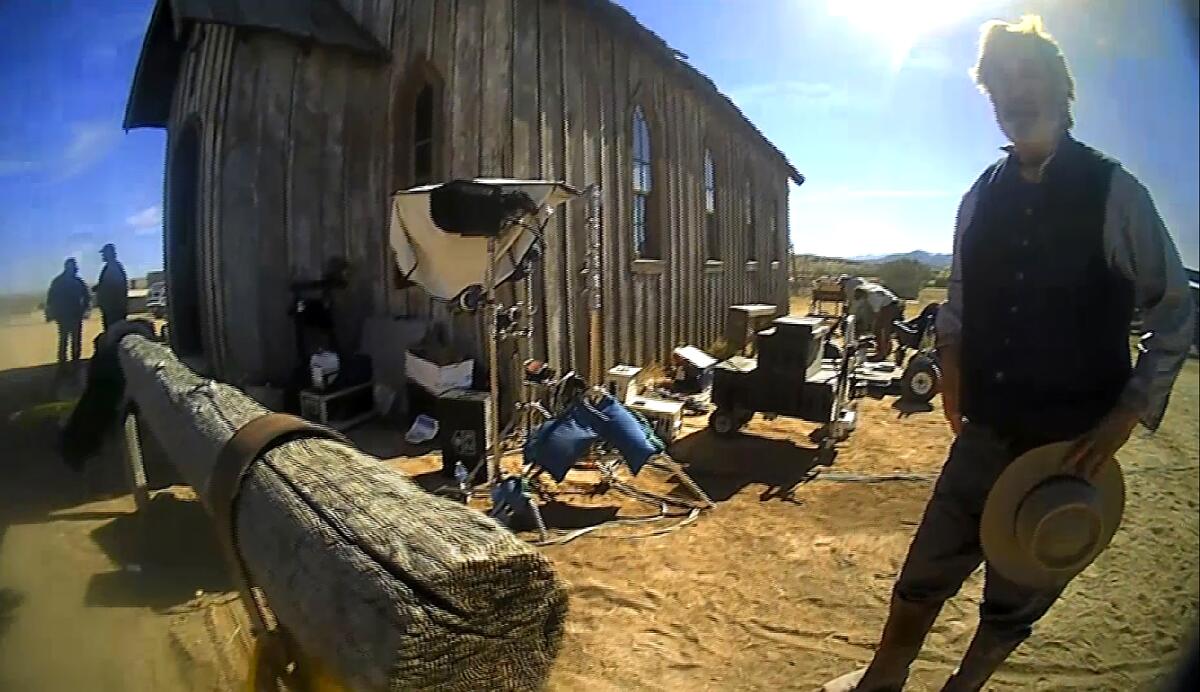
x,y
786,593
30,340
773,590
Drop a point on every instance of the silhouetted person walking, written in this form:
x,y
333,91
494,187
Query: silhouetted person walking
x,y
112,289
66,303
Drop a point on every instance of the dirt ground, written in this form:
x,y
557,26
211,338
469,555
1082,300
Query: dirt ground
x,y
783,586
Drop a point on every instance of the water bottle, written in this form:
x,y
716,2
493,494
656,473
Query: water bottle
x,y
460,474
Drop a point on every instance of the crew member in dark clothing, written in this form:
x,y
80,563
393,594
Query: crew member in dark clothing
x,y
112,290
1055,246
67,302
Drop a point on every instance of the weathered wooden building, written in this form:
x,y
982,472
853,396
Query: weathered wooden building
x,y
291,123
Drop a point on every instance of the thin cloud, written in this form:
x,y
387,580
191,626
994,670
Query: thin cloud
x,y
146,221
91,141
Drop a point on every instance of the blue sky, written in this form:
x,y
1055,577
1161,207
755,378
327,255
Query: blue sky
x,y
869,98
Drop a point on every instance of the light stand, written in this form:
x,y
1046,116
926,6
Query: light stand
x,y
489,322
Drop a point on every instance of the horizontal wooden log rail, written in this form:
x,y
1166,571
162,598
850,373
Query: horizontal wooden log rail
x,y
388,586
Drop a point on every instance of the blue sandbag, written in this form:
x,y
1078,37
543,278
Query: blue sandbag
x,y
558,444
619,427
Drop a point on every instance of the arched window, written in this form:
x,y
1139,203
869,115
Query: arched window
x,y
417,141
422,135
643,240
751,249
712,233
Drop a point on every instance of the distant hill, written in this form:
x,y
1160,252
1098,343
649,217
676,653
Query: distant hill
x,y
805,257
20,303
932,259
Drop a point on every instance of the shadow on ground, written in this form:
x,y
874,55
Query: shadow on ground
x,y
906,408
722,467
561,515
167,553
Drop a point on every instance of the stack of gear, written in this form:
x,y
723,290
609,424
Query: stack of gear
x,y
789,358
788,377
792,346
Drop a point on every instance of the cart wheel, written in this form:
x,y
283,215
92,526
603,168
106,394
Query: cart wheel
x,y
724,423
921,379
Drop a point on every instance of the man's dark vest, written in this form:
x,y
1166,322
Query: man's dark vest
x,y
1045,343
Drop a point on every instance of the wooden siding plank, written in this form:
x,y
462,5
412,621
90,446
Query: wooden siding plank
x,y
524,84
618,229
698,219
430,22
636,328
279,57
574,153
464,132
605,161
593,104
639,318
206,263
465,122
392,300
659,314
670,127
307,167
332,243
213,87
495,137
693,308
680,296
496,158
364,197
553,268
236,182
431,35
228,47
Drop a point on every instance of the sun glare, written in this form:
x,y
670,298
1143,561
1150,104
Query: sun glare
x,y
895,26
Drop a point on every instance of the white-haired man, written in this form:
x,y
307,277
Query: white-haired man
x,y
1055,246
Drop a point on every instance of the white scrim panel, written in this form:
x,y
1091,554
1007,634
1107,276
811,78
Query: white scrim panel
x,y
446,264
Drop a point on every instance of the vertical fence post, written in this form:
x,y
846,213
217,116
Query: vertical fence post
x,y
134,464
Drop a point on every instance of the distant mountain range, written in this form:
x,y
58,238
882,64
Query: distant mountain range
x,y
932,259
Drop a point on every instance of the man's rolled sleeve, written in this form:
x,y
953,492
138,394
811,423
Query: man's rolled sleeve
x,y
949,317
1141,250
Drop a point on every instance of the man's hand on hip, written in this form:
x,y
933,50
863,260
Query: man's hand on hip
x,y
1096,446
